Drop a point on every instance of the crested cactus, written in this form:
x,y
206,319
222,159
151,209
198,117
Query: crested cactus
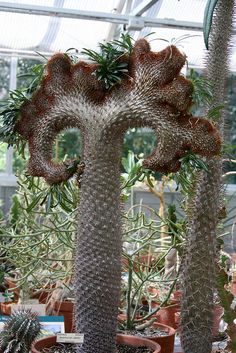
x,y
152,93
199,266
19,332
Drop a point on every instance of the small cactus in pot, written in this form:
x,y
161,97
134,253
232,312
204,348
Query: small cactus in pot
x,y
19,332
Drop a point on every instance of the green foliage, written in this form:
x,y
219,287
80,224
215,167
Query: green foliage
x,y
112,66
143,265
4,76
38,241
19,332
141,141
226,301
203,95
134,172
190,165
37,193
10,108
207,21
202,88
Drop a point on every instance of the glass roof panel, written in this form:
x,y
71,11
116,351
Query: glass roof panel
x,y
45,34
183,10
22,31
91,5
79,34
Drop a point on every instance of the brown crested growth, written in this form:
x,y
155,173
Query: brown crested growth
x,y
153,94
154,87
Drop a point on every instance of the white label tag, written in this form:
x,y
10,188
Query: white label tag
x,y
70,337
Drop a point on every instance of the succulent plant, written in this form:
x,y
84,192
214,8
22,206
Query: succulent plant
x,y
151,93
19,332
199,266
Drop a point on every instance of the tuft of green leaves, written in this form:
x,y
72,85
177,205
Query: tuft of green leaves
x,y
112,66
10,108
190,165
134,171
36,193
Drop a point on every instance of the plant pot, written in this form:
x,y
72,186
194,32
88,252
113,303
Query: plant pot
x,y
166,342
167,314
42,296
177,295
133,341
66,309
6,308
12,288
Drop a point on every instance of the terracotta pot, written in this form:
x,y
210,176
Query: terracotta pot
x,y
42,296
177,295
66,309
167,314
12,288
6,308
166,342
48,342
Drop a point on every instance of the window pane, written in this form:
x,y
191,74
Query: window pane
x,y
4,88
24,66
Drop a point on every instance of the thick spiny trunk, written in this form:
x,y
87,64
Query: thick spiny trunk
x,y
199,260
98,258
198,271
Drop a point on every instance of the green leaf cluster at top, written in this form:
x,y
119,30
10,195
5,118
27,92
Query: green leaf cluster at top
x,y
112,62
10,108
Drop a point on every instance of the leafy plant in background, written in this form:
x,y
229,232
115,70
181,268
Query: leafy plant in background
x,y
10,108
144,267
39,235
227,302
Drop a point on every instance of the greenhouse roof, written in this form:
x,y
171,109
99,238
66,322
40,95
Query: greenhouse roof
x,y
48,26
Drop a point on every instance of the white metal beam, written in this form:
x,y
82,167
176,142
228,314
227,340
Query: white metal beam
x,y
142,7
114,26
96,16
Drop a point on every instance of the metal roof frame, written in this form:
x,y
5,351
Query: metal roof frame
x,y
101,16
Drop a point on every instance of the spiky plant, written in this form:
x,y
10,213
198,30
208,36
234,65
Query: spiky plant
x,y
19,332
152,93
199,267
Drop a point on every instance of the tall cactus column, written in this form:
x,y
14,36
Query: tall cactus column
x,y
199,267
152,93
98,253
